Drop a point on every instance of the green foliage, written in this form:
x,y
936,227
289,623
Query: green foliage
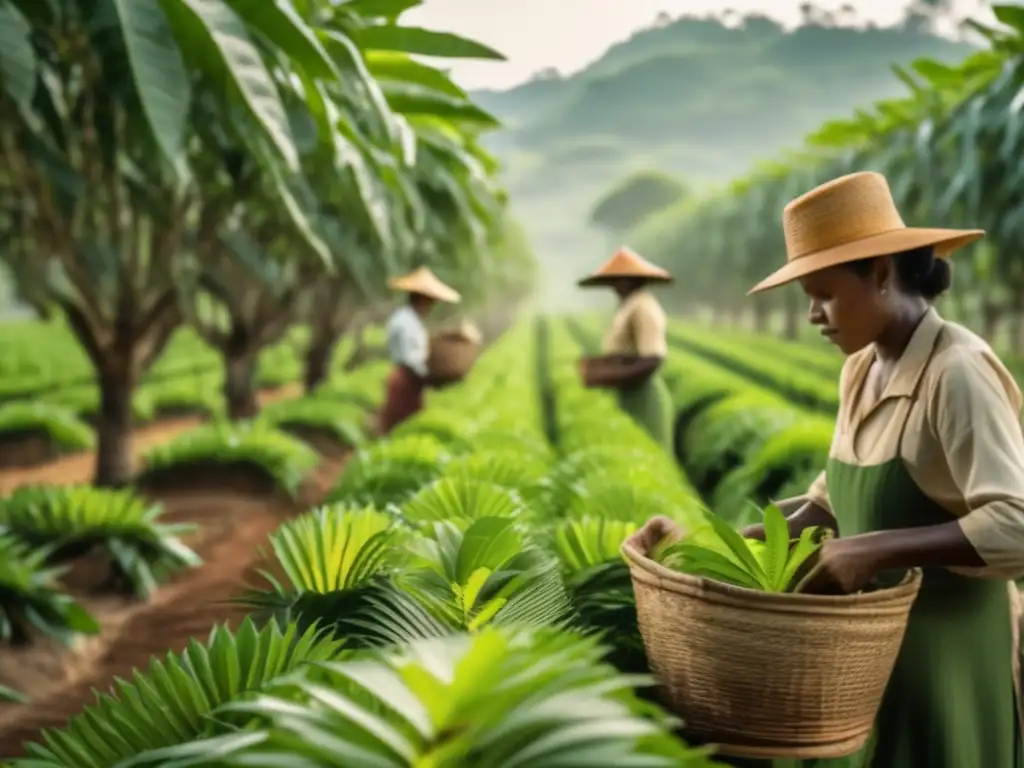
x,y
60,425
389,472
172,700
342,422
469,616
497,698
285,459
65,521
30,598
723,555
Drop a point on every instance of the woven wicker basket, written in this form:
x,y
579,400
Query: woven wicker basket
x,y
603,368
451,356
764,675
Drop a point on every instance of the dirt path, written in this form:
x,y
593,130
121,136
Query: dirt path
x,y
78,467
233,529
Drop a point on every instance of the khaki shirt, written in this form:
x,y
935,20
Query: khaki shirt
x,y
963,444
638,328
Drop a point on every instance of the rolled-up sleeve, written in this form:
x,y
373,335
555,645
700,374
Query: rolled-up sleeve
x,y
975,411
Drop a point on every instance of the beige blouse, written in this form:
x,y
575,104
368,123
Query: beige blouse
x,y
963,444
638,328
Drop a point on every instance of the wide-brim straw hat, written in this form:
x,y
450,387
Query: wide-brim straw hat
x,y
624,263
850,218
425,283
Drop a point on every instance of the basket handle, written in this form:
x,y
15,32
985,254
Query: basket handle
x,y
653,533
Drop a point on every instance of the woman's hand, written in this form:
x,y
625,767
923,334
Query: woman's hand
x,y
753,532
843,566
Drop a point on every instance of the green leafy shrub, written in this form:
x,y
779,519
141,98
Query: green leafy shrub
x,y
172,701
344,422
389,472
283,458
66,431
30,596
72,520
721,554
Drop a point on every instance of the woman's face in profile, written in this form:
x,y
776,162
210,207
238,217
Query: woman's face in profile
x,y
846,306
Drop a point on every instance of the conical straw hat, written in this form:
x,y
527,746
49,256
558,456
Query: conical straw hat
x,y
425,283
626,263
850,218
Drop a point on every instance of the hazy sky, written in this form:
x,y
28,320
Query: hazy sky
x,y
568,34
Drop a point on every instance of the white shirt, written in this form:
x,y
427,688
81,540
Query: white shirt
x,y
408,344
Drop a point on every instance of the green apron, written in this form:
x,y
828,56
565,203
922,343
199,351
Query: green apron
x,y
650,405
950,702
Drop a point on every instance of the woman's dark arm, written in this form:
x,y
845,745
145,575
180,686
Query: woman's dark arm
x,y
931,546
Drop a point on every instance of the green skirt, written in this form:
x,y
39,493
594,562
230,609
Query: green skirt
x,y
650,405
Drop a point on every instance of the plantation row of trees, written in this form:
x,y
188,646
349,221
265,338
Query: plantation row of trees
x,y
951,150
238,166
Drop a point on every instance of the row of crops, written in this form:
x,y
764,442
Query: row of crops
x,y
45,530
754,414
460,598
445,606
43,370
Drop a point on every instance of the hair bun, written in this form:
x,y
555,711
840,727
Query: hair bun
x,y
937,279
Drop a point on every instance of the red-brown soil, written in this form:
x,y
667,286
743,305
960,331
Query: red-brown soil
x,y
233,527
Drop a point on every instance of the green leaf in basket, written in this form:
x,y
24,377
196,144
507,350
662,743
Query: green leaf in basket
x,y
806,546
738,547
776,549
701,561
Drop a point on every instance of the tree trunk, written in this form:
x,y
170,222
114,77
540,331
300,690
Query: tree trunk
x,y
761,314
1017,324
319,355
990,321
114,427
791,329
240,385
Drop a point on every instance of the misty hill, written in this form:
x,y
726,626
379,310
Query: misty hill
x,y
693,96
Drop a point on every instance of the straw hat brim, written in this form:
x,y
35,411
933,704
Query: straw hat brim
x,y
945,241
604,280
447,296
432,289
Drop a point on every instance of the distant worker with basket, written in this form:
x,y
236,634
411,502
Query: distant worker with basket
x,y
635,344
926,470
420,361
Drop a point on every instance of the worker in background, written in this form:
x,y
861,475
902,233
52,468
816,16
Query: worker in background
x,y
635,345
409,345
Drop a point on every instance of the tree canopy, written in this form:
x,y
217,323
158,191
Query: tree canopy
x,y
237,165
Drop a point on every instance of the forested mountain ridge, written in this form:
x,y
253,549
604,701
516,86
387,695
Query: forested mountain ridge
x,y
704,98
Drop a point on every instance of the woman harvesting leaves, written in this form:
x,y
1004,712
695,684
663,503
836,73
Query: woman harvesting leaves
x,y
635,346
926,470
